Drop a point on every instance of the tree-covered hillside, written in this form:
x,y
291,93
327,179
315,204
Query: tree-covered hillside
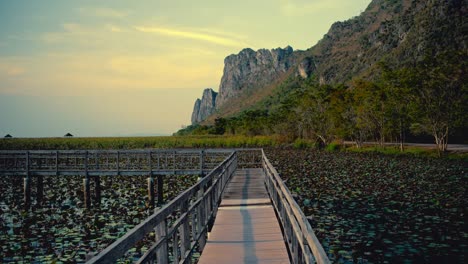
x,y
395,72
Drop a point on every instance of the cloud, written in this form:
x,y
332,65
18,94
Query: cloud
x,y
113,28
294,8
73,28
102,12
78,34
11,70
193,34
76,74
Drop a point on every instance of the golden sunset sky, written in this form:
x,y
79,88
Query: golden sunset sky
x,y
115,68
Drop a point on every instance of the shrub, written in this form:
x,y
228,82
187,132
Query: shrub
x,y
303,143
334,146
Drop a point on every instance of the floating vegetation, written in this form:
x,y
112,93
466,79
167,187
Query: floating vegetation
x,y
61,230
374,208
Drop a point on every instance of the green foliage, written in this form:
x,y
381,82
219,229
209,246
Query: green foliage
x,y
427,96
303,144
375,208
203,141
334,146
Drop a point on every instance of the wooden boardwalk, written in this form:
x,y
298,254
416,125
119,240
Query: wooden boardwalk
x,y
246,229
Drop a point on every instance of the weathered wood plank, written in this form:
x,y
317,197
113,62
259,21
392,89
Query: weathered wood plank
x,y
244,232
119,247
294,221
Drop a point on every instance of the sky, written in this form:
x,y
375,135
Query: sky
x,y
135,68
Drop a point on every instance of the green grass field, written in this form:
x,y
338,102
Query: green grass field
x,y
202,141
139,142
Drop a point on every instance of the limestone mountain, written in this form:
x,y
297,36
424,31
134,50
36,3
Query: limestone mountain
x,y
204,107
247,73
250,69
399,32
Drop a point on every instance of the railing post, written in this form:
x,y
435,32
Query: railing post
x,y
184,230
97,189
118,162
201,219
202,162
86,185
175,247
150,168
175,162
150,191
27,184
295,248
40,189
160,189
161,233
56,162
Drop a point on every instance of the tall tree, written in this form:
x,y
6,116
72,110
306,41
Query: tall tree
x,y
440,93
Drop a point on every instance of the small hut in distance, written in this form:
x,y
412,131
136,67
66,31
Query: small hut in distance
x,y
68,135
8,136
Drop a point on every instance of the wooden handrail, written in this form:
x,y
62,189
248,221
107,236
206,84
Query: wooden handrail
x,y
202,200
299,236
110,162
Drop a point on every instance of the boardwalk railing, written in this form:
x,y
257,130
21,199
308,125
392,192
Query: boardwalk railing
x,y
110,162
95,163
180,226
303,245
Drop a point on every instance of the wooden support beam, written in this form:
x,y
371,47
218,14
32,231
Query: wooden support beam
x,y
27,191
118,162
151,191
86,185
161,233
202,162
201,224
27,184
40,189
97,189
160,190
175,247
87,192
56,162
184,230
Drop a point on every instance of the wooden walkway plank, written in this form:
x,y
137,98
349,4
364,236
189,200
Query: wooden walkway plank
x,y
246,229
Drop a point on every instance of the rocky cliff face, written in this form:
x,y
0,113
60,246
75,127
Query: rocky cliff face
x,y
204,107
399,32
196,110
245,71
252,69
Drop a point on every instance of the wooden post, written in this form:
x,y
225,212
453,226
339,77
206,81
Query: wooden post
x,y
27,184
56,163
87,192
118,163
86,186
160,190
40,189
175,162
175,248
151,191
97,189
149,163
184,230
27,191
97,180
202,223
161,233
202,162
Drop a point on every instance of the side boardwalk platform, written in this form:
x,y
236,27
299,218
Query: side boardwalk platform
x,y
246,229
